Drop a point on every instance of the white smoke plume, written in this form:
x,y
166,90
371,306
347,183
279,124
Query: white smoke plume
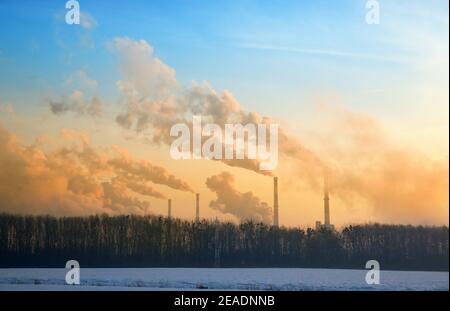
x,y
155,101
244,206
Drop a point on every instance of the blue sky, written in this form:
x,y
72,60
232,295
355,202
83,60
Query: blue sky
x,y
262,51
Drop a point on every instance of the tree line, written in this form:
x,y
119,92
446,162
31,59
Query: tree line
x,y
152,241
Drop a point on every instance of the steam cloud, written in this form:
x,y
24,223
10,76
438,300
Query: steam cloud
x,y
76,180
245,206
362,163
155,101
400,184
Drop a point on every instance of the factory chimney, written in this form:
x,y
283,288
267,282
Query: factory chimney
x,y
169,208
197,207
326,203
275,201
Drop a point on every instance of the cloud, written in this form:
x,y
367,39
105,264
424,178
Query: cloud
x,y
116,199
76,179
364,165
331,53
154,101
396,183
74,37
400,184
81,99
87,21
81,80
142,72
244,206
7,108
144,189
145,171
76,102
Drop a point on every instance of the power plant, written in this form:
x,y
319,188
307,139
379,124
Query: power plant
x,y
275,202
276,222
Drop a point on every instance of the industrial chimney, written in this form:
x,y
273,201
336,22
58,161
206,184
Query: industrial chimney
x,y
275,201
326,203
197,207
169,208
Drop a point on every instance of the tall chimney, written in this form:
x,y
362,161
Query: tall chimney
x,y
326,203
197,207
275,201
169,208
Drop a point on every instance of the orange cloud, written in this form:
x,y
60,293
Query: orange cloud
x,y
398,183
76,180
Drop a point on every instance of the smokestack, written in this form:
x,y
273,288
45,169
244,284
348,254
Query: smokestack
x,y
197,207
275,201
326,203
169,208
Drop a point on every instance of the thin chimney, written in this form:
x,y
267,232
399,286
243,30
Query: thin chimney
x,y
197,207
326,203
169,208
275,202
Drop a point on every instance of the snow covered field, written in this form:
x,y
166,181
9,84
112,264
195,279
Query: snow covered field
x,y
220,279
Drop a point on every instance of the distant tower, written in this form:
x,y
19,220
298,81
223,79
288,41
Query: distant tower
x,y
326,203
275,202
197,207
169,208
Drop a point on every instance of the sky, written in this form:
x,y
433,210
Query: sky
x,y
85,109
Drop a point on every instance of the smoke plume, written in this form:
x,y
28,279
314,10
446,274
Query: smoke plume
x,y
244,206
154,101
400,184
76,179
363,164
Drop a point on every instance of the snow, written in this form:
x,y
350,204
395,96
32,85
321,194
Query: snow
x,y
220,279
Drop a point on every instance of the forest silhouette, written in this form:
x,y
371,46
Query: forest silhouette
x,y
152,241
